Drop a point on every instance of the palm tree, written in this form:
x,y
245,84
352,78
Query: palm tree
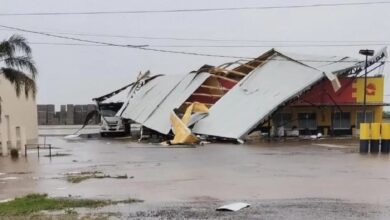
x,y
15,58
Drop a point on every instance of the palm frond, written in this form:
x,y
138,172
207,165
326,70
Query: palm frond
x,y
20,43
22,62
16,54
20,81
6,50
13,44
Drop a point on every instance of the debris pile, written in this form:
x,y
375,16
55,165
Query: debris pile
x,y
231,100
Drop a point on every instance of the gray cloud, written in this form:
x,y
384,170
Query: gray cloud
x,y
75,74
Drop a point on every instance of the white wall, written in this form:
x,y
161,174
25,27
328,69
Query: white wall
x,y
18,113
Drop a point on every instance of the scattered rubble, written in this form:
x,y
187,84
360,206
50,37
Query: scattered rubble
x,y
241,97
77,177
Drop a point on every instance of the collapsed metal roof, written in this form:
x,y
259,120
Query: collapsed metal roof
x,y
260,87
152,104
276,79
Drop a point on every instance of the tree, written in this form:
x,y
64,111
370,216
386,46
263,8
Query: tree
x,y
15,59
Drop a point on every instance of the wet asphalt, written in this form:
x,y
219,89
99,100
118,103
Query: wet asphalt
x,y
291,179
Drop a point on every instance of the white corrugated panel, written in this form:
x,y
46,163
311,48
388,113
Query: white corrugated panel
x,y
338,66
152,104
256,96
160,120
120,97
149,96
324,63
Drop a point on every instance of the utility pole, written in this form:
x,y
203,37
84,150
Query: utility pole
x,y
366,53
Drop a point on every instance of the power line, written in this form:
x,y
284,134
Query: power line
x,y
141,47
196,9
66,44
216,40
147,48
222,46
267,46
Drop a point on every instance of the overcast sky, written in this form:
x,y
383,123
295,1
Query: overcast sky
x,y
76,74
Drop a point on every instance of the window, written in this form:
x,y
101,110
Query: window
x,y
108,113
360,118
307,121
341,120
282,119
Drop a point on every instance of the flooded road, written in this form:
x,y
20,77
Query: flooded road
x,y
214,173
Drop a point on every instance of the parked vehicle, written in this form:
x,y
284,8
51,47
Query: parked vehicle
x,y
112,125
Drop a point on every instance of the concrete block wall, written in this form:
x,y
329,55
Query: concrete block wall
x,y
68,114
42,114
78,114
95,120
50,114
62,117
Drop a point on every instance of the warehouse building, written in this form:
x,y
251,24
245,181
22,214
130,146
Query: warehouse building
x,y
320,94
18,122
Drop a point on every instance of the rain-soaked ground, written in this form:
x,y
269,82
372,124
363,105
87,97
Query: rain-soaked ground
x,y
293,179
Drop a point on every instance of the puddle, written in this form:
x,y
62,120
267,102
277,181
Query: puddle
x,y
10,178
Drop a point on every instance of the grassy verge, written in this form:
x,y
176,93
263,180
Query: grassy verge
x,y
77,178
33,203
58,155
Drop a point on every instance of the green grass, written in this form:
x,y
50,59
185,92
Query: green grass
x,y
127,201
37,202
77,178
58,155
121,177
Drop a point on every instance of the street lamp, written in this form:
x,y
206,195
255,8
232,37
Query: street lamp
x,y
366,53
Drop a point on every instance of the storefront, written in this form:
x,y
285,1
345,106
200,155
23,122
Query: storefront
x,y
321,110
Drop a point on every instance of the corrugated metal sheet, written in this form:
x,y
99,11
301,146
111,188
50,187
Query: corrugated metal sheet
x,y
324,63
152,104
260,93
120,97
251,101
